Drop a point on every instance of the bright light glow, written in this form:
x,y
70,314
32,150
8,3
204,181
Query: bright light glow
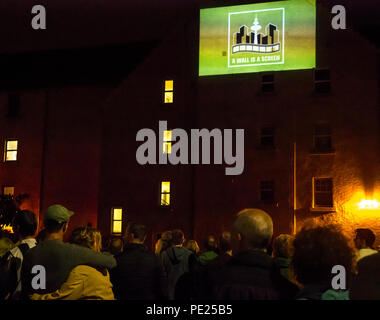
x,y
368,204
7,228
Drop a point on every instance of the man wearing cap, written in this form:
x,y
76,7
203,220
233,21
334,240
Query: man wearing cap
x,y
58,258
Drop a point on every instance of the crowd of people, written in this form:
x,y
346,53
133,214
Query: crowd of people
x,y
244,263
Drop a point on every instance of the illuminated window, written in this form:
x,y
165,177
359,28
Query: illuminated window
x,y
267,190
165,193
267,137
10,153
267,83
116,220
8,191
169,87
167,144
322,138
322,80
323,192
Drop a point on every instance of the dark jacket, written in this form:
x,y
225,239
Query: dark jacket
x,y
249,275
176,262
138,275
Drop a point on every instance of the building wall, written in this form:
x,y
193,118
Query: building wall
x,y
59,134
205,200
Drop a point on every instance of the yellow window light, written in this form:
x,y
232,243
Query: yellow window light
x,y
11,150
9,191
116,220
165,193
169,97
169,85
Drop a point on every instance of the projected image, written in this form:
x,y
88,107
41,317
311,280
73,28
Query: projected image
x,y
258,37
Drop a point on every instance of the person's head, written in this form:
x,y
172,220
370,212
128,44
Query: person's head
x,y
316,251
365,238
211,244
25,224
192,245
178,237
254,228
225,244
56,220
116,246
87,237
283,246
135,233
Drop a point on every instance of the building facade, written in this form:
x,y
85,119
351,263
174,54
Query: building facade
x,y
311,144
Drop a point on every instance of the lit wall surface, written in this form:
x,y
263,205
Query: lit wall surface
x,y
257,37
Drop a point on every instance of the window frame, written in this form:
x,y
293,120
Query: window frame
x,y
169,91
314,196
113,220
8,186
161,205
10,150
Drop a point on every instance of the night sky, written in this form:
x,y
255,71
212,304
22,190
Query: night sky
x,y
85,23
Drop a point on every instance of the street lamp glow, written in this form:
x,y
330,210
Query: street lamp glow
x,y
368,204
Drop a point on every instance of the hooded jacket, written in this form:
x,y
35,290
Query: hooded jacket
x,y
175,261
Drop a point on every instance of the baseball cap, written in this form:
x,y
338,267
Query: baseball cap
x,y
58,213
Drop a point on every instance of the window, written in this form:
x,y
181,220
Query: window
x,y
10,153
165,193
116,220
322,80
267,190
267,83
323,192
169,85
13,105
8,191
322,138
167,144
267,137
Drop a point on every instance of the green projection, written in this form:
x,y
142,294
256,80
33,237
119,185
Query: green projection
x,y
270,36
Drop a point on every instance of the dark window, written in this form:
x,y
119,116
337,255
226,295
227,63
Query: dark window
x,y
322,81
323,192
267,83
13,105
322,138
267,137
267,190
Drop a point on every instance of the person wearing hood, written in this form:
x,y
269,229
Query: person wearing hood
x,y
175,261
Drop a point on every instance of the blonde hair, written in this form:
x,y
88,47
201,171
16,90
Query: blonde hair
x,y
87,237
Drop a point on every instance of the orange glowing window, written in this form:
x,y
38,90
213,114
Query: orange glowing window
x,y
116,220
165,193
167,144
169,87
8,191
10,153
